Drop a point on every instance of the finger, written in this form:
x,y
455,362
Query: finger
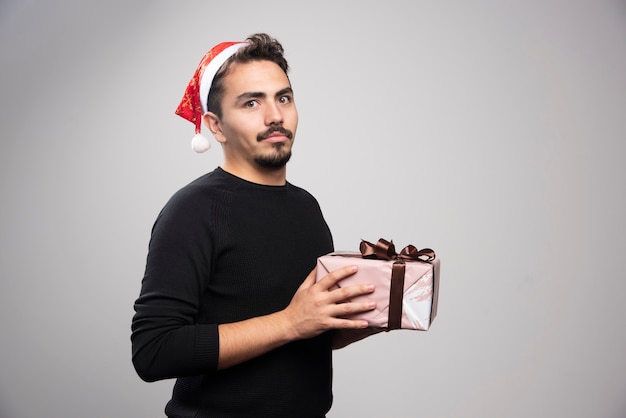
x,y
345,293
335,276
339,323
344,310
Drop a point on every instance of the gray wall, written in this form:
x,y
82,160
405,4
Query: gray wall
x,y
490,131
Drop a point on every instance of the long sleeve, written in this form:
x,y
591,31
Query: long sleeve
x,y
167,341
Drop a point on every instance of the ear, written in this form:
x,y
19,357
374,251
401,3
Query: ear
x,y
214,124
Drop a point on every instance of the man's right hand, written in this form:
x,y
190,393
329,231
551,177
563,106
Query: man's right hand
x,y
318,307
314,308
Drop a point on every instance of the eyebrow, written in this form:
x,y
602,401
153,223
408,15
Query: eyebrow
x,y
260,95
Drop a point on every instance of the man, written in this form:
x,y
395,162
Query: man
x,y
229,305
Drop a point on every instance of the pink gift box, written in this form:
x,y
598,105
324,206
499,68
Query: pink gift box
x,y
415,307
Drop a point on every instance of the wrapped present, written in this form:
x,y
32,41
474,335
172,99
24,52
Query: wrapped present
x,y
407,283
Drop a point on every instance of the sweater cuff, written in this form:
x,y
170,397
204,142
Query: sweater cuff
x,y
207,347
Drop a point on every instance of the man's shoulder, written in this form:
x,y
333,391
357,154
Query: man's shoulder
x,y
198,193
301,193
207,183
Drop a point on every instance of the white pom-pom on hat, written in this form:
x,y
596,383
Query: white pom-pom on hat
x,y
200,143
194,102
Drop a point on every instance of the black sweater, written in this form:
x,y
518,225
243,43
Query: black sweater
x,y
224,250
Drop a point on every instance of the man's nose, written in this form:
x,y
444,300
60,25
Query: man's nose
x,y
274,114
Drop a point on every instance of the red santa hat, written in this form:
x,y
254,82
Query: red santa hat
x,y
194,102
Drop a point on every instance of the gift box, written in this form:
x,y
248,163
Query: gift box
x,y
407,283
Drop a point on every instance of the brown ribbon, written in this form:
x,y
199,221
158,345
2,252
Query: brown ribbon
x,y
385,250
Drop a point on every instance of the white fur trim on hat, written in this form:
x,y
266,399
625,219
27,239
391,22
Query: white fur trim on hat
x,y
211,70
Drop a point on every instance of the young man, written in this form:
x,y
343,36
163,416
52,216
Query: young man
x,y
229,305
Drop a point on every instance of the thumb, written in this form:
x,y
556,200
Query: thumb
x,y
310,279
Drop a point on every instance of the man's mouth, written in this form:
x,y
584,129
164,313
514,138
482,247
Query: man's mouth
x,y
276,134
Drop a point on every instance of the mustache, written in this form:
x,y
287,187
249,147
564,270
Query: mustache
x,y
271,130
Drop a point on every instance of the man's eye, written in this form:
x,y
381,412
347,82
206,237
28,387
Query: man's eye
x,y
285,99
251,104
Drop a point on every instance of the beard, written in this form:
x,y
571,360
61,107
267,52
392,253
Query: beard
x,y
280,154
277,159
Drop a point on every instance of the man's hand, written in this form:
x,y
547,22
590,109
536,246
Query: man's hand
x,y
316,308
313,309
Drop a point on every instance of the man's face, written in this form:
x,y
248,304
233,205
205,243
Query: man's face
x,y
259,116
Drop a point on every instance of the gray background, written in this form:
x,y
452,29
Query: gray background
x,y
491,131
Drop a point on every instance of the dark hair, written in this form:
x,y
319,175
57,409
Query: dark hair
x,y
261,47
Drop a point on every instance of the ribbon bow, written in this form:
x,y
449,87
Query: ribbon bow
x,y
385,250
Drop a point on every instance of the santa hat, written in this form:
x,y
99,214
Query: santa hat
x,y
194,102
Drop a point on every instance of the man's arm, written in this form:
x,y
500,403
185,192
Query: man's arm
x,y
313,310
